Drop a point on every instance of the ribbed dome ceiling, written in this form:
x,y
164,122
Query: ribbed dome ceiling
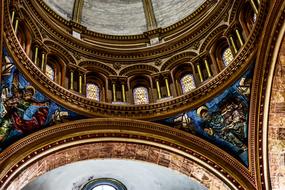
x,y
125,17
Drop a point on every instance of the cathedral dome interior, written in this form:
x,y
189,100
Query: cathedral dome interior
x,y
189,94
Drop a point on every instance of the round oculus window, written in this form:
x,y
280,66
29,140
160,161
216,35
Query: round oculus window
x,y
104,184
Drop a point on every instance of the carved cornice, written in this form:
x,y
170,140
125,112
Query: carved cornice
x,y
86,106
28,150
186,22
255,173
185,38
140,68
265,59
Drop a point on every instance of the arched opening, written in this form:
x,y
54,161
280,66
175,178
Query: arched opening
x,y
227,56
222,53
140,89
92,91
49,72
187,83
25,38
186,78
140,95
54,68
247,18
95,86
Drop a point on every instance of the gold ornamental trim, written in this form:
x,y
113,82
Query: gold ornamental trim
x,y
37,145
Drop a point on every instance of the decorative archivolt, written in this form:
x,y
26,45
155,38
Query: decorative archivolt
x,y
181,57
138,68
32,26
212,37
61,51
99,66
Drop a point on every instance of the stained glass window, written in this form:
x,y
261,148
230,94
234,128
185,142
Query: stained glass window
x,y
187,83
92,91
254,17
50,72
141,95
227,56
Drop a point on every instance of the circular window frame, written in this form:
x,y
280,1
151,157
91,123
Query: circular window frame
x,y
104,181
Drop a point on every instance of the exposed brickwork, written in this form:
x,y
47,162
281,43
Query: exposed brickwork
x,y
276,131
119,150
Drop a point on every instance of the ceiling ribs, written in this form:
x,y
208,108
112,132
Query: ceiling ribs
x,y
149,15
77,11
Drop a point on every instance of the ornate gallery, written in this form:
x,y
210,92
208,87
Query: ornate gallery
x,y
194,87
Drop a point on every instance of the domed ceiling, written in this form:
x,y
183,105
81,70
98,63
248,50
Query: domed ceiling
x,y
124,17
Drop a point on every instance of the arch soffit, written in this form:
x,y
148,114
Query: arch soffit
x,y
98,66
42,143
33,28
267,58
57,49
139,68
181,57
213,37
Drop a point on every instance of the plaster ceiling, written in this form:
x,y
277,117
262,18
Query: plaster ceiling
x,y
125,17
135,175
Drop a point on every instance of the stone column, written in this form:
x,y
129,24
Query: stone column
x,y
43,62
13,17
84,83
123,92
16,26
200,73
253,6
114,91
207,67
239,37
233,44
36,54
80,83
71,80
167,86
158,88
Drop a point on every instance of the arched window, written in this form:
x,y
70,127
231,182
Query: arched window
x,y
141,95
92,91
187,83
254,17
227,56
50,72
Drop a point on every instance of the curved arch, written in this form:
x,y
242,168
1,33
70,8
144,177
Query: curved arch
x,y
216,51
267,63
30,23
181,57
101,67
246,18
212,37
100,80
140,80
77,134
140,68
60,51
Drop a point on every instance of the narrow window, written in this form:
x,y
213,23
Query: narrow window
x,y
92,91
140,95
187,83
254,17
227,56
50,72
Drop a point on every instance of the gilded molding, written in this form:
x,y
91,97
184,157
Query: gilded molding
x,y
40,143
